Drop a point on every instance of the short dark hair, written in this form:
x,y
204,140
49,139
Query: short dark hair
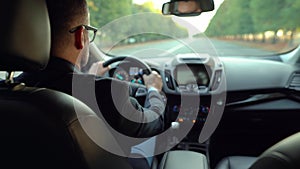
x,y
63,14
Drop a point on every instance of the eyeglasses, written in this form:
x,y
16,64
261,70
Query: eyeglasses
x,y
91,31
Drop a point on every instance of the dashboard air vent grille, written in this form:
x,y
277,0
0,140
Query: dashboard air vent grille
x,y
217,80
169,79
295,82
194,59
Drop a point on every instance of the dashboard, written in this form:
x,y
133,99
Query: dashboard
x,y
215,83
186,73
188,76
256,98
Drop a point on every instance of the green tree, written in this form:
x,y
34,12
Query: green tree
x,y
103,11
233,18
266,15
218,25
290,13
241,17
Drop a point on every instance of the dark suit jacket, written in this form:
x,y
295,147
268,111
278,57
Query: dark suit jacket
x,y
107,97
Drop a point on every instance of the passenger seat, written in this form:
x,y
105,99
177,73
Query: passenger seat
x,y
283,155
236,162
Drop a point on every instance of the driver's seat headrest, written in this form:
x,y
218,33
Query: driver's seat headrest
x,y
25,35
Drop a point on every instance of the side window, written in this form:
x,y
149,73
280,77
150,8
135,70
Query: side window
x,y
3,75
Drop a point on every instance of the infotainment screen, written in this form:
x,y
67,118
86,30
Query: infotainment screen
x,y
187,74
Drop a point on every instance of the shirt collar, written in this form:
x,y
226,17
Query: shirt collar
x,y
60,64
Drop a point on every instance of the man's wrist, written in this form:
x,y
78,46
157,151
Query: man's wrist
x,y
152,89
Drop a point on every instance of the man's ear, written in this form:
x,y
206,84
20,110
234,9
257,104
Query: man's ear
x,y
79,38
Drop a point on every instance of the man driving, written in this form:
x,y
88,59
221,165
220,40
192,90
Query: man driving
x,y
71,35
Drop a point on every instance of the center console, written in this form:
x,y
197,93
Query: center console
x,y
183,159
188,73
192,77
194,86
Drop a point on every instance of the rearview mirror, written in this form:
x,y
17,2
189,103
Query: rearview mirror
x,y
187,7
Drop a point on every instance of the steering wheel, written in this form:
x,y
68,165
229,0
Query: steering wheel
x,y
137,90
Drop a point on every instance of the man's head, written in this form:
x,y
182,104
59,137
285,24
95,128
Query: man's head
x,y
66,15
189,6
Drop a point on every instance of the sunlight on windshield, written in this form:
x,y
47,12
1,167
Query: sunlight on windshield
x,y
234,28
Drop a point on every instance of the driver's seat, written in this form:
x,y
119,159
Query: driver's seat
x,y
42,128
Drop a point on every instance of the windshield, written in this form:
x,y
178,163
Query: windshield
x,y
234,28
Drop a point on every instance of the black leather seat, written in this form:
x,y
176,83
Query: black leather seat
x,y
283,155
42,128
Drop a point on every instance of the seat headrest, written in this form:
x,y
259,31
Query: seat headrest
x,y
25,35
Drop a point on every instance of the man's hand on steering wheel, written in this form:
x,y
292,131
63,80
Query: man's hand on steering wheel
x,y
98,69
150,78
153,80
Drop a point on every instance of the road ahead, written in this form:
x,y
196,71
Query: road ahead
x,y
199,45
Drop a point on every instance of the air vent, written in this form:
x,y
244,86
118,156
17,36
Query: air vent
x,y
295,82
169,79
217,80
194,59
